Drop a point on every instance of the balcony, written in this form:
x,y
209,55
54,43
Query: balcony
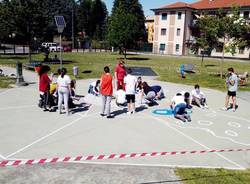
x,y
193,23
191,40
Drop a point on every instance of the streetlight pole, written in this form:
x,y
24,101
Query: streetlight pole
x,y
60,23
61,50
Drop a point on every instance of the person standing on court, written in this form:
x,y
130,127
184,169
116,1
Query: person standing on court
x,y
130,82
44,85
106,92
120,73
232,87
63,88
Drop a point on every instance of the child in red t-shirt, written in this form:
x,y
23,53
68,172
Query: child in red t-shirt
x,y
106,91
120,73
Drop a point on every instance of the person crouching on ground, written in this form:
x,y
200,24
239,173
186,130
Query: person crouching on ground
x,y
158,91
187,99
63,88
94,88
139,85
107,92
147,94
44,85
198,97
130,85
179,108
121,97
232,87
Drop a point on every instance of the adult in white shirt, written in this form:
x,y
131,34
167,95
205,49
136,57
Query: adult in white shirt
x,y
179,108
63,86
198,97
130,86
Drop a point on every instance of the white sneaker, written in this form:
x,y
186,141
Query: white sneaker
x,y
129,113
206,106
202,107
224,108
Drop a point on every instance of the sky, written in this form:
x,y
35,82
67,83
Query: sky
x,y
148,4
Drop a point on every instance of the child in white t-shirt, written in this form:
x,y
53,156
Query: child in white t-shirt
x,y
198,97
94,88
120,96
179,108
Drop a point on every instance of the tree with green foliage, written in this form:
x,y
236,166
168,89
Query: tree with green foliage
x,y
220,30
205,31
5,13
26,20
92,17
58,7
126,24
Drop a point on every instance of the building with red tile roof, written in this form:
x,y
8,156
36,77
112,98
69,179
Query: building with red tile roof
x,y
173,22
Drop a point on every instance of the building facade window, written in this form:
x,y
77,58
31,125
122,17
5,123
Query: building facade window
x,y
177,48
179,15
164,16
246,15
178,33
163,32
162,46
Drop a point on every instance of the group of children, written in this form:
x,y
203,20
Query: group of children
x,y
60,89
184,100
56,90
149,94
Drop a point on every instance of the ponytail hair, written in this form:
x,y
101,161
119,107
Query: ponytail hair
x,y
63,72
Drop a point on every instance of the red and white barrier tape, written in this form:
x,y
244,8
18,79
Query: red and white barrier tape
x,y
111,156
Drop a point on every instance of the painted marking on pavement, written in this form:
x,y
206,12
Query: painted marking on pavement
x,y
48,135
192,139
231,133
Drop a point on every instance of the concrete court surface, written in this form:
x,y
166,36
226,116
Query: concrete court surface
x,y
29,133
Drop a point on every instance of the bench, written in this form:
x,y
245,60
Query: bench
x,y
189,68
243,78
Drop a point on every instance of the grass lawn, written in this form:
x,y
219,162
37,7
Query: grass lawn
x,y
166,67
215,176
5,82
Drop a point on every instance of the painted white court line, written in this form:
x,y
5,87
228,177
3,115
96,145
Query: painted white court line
x,y
7,91
236,117
17,107
157,165
48,135
211,132
205,123
195,141
2,157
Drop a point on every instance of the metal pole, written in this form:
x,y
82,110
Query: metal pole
x,y
61,51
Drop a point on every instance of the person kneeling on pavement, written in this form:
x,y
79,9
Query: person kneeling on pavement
x,y
179,108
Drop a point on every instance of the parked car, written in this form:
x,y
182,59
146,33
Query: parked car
x,y
67,48
53,47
